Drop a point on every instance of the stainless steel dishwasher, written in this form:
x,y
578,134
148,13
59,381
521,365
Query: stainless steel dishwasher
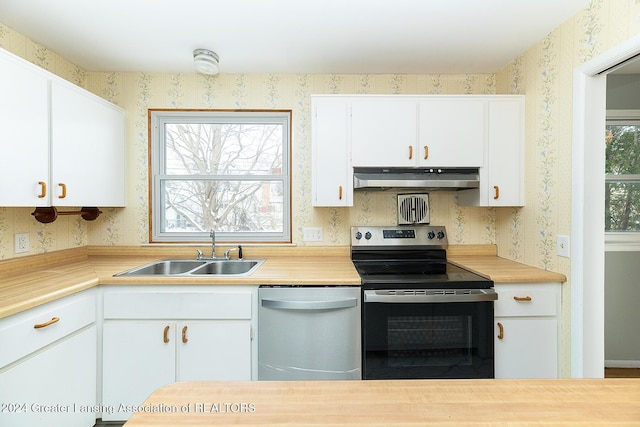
x,y
309,333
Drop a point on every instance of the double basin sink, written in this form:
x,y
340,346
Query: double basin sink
x,y
196,268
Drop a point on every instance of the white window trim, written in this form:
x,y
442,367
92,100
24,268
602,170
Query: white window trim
x,y
157,119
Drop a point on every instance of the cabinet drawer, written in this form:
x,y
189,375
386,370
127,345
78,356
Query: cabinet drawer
x,y
526,301
177,305
19,335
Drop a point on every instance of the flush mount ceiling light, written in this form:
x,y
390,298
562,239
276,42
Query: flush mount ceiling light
x,y
205,61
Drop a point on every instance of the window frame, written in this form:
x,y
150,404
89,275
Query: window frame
x,y
157,118
622,240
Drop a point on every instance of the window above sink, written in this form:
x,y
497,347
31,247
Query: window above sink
x,y
222,170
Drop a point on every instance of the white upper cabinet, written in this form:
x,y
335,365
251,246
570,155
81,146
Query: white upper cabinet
x,y
332,174
417,131
452,132
87,149
24,133
384,132
502,177
63,145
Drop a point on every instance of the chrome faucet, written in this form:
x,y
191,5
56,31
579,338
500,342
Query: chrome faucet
x,y
212,234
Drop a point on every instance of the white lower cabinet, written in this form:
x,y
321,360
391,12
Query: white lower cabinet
x,y
527,330
52,382
175,336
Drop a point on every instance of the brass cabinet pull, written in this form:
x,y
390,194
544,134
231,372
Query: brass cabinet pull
x,y
501,334
165,336
43,189
497,192
45,324
184,335
426,152
340,193
64,191
410,152
527,298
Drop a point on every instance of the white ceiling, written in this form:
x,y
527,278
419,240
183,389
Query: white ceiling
x,y
290,36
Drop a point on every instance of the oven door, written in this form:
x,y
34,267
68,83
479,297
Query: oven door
x,y
412,334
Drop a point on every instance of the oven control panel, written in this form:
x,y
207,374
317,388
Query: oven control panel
x,y
417,235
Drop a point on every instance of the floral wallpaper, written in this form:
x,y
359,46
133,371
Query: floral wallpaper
x,y
544,73
136,92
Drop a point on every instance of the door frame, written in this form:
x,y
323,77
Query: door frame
x,y
587,209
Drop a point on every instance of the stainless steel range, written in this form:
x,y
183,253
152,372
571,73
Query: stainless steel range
x,y
422,317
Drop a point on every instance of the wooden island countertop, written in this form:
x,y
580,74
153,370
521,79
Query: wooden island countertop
x,y
557,402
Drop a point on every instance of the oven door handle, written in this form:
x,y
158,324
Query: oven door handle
x,y
310,305
482,295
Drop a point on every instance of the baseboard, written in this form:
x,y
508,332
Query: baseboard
x,y
622,363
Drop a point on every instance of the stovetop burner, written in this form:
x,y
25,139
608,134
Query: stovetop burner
x,y
408,257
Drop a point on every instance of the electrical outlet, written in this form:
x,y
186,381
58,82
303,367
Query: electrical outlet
x,y
21,243
312,234
563,246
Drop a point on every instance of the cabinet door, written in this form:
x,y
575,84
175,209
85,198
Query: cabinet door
x,y
332,179
87,149
215,350
384,132
526,348
505,169
24,133
136,361
452,132
62,377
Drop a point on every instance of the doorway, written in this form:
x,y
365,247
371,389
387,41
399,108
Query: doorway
x,y
587,206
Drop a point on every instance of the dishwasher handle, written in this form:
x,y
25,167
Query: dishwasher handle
x,y
309,305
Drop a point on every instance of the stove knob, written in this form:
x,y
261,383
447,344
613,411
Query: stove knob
x,y
358,235
431,235
440,235
367,235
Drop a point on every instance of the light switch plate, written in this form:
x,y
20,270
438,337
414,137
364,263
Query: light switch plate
x,y
312,234
563,246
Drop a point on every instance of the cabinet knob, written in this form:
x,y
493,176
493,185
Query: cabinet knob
x,y
63,193
43,189
527,298
184,335
45,324
501,328
410,152
340,192
165,335
497,192
426,152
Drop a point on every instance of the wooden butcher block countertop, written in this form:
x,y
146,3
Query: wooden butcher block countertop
x,y
502,270
27,282
562,402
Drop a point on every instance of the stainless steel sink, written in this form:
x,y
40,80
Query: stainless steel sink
x,y
186,268
227,267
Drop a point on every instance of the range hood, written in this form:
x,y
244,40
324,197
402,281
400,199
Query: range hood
x,y
448,179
